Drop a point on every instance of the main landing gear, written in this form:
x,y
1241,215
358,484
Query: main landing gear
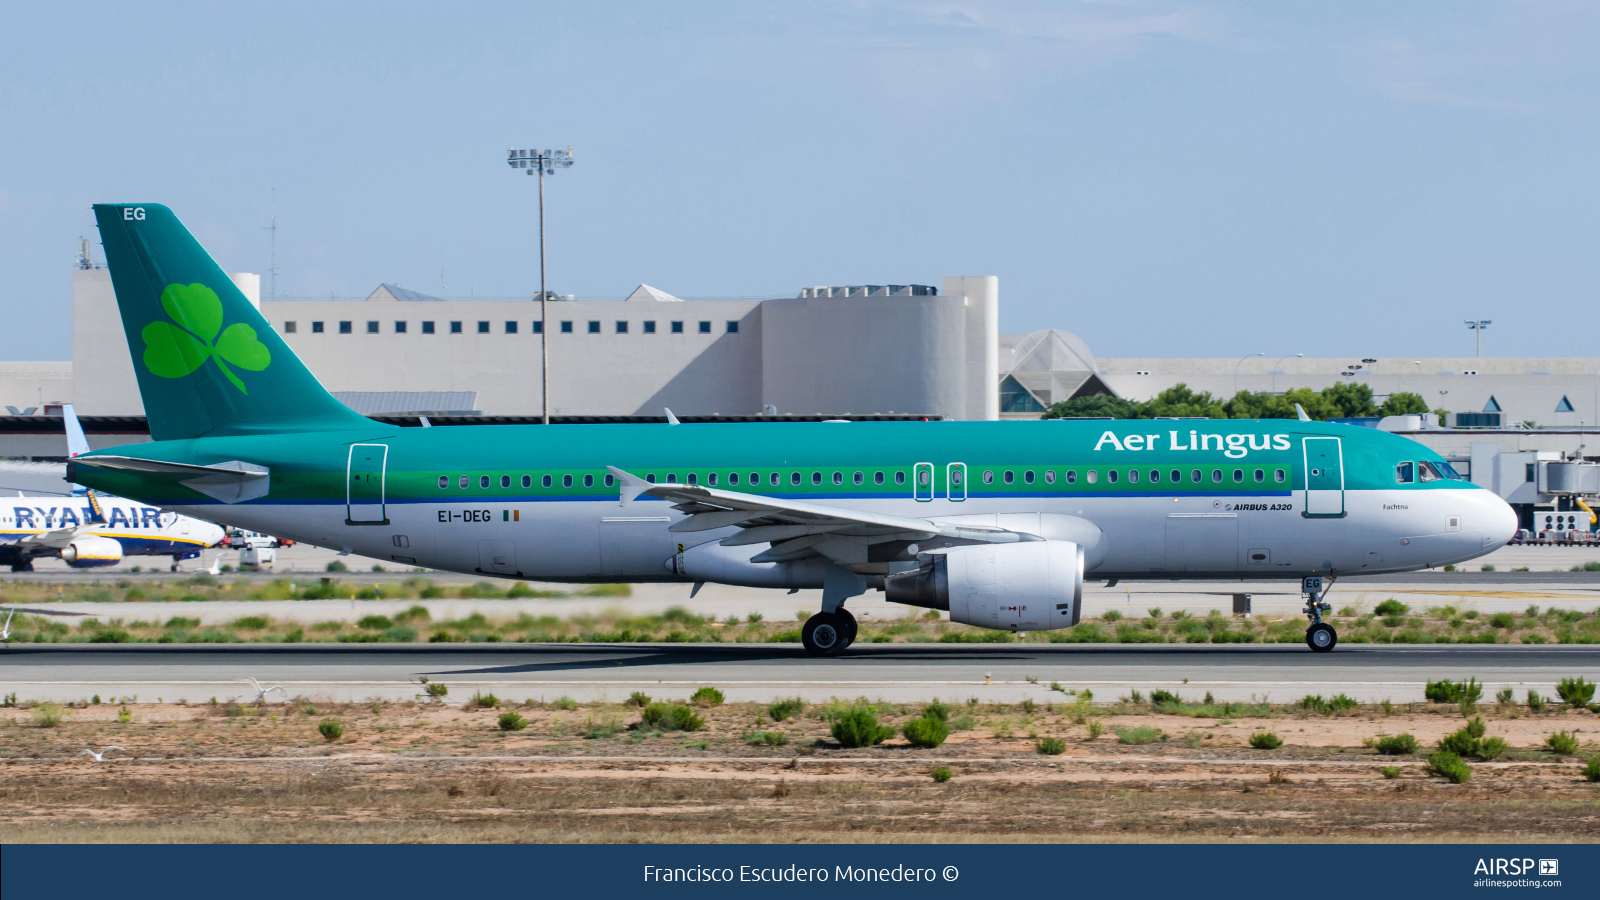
x,y
1320,637
826,634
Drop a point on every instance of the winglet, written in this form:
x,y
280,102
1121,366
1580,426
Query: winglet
x,y
1301,411
671,419
631,486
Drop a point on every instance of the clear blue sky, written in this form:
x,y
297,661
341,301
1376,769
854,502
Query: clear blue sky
x,y
1162,178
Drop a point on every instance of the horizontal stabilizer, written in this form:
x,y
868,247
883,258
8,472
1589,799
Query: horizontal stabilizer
x,y
230,482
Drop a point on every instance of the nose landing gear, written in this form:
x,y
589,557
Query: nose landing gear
x,y
1320,637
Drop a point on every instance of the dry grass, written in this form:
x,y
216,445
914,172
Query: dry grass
x,y
418,772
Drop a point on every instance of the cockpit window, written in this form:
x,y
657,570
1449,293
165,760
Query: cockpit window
x,y
1405,473
1449,471
1426,472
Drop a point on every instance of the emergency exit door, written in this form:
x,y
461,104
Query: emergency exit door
x,y
364,488
1324,462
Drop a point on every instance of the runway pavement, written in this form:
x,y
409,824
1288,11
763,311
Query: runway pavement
x,y
899,672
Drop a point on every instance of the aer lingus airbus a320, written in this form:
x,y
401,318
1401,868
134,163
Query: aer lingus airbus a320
x,y
999,523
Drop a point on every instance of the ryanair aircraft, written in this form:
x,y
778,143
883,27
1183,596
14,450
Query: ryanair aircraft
x,y
999,523
86,530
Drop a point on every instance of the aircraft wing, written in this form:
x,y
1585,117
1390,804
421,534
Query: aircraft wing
x,y
50,540
795,529
230,482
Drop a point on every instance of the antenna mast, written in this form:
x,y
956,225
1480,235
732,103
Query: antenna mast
x,y
272,267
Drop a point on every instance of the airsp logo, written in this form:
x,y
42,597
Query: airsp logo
x,y
175,350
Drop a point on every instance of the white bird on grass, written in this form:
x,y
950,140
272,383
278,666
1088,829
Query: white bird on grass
x,y
262,692
100,757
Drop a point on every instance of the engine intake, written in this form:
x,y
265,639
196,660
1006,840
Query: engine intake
x,y
1026,586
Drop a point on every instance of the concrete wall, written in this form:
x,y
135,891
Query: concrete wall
x,y
25,384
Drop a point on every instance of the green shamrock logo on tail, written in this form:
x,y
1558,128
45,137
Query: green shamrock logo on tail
x,y
173,351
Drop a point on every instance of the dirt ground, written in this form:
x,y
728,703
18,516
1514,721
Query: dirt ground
x,y
439,772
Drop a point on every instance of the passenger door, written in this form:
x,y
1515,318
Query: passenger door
x,y
1324,471
364,477
922,482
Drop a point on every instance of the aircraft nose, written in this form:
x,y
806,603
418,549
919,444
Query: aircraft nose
x,y
1500,521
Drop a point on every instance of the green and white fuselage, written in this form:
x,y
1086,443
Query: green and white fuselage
x,y
246,436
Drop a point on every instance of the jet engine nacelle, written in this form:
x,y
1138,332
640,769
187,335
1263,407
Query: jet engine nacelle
x,y
1026,586
90,551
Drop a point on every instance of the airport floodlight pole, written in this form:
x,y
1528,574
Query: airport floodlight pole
x,y
542,163
1399,387
1236,369
1280,366
1477,326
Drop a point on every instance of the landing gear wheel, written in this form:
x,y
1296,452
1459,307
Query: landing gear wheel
x,y
848,623
823,635
1321,637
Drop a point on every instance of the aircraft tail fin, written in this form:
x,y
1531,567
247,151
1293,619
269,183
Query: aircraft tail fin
x,y
76,442
207,363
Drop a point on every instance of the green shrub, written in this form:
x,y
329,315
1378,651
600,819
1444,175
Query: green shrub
x,y
1535,702
936,710
436,691
376,623
566,703
1111,615
1390,771
1562,742
940,774
483,701
602,728
767,738
1575,692
252,622
672,717
112,636
706,696
1502,620
1450,767
1336,704
1591,769
1391,607
182,622
1397,745
1144,734
1158,697
330,729
1096,728
785,709
398,634
1051,746
510,721
926,731
1491,748
1460,743
338,566
1505,697
858,727
1447,691
414,615
1265,740
639,699
46,715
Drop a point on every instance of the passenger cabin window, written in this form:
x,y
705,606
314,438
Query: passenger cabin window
x,y
693,478
1177,476
1426,472
483,481
1028,476
505,481
463,482
899,478
1155,475
1238,476
1072,477
773,480
838,478
1261,476
566,481
733,477
527,481
588,481
1049,476
545,481
988,477
711,479
877,478
1194,476
1216,476
1279,475
444,482
1405,473
1091,476
1111,475
816,477
1007,476
857,478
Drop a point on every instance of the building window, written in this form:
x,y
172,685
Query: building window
x,y
622,328
316,327
677,328
511,327
288,328
594,327
538,328
455,327
344,327
650,327
399,328
705,327
483,327
372,328
566,327
733,327
427,328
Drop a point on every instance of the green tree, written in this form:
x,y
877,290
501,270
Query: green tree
x,y
1095,406
1403,403
1179,400
1351,399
